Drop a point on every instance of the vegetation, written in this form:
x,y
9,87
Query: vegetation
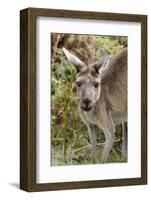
x,y
69,137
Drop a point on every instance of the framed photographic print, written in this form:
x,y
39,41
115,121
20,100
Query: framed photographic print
x,y
83,94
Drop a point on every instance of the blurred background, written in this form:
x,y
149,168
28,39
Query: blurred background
x,y
70,143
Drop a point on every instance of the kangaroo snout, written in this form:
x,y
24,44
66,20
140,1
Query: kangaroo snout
x,y
86,104
86,101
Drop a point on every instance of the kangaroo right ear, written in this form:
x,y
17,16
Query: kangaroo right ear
x,y
75,61
101,65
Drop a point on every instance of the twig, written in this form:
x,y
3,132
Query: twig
x,y
89,145
55,46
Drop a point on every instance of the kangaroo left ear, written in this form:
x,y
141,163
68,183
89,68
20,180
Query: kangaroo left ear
x,y
75,61
102,64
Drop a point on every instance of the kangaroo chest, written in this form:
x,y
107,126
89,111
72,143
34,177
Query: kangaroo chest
x,y
93,116
89,117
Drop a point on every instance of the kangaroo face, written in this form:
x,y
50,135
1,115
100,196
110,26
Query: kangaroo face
x,y
88,88
88,80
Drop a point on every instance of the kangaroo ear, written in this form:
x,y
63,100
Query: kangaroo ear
x,y
75,61
102,64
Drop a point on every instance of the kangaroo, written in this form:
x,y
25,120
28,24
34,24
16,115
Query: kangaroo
x,y
102,88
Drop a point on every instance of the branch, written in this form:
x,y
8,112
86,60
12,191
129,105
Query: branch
x,y
89,146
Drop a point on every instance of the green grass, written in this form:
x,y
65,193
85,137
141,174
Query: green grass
x,y
78,149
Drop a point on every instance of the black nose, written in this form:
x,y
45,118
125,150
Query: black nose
x,y
86,101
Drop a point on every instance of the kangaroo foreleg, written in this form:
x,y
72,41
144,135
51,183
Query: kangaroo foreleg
x,y
109,132
92,136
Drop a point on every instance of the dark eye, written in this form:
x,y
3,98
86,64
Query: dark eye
x,y
78,83
96,85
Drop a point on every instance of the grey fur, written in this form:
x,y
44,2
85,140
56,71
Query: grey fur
x,y
103,98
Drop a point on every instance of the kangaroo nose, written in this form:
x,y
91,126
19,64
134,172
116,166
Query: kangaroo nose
x,y
86,101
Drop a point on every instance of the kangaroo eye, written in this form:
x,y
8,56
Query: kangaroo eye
x,y
96,85
78,83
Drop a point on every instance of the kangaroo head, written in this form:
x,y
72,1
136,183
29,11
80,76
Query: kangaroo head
x,y
88,80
